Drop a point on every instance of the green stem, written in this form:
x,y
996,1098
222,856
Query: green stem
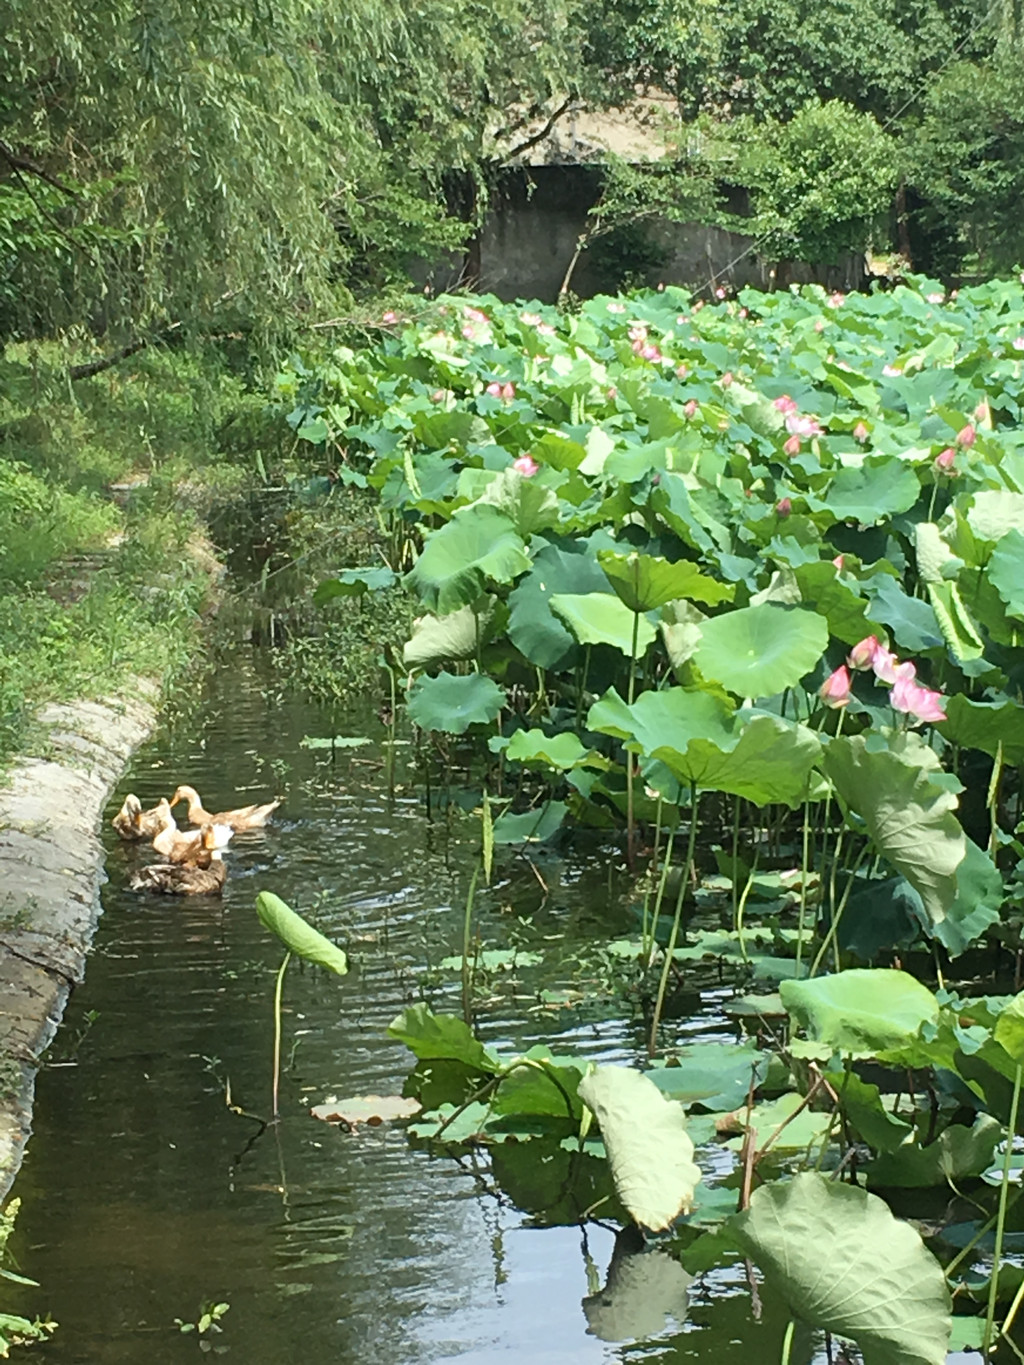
x,y
803,886
650,928
277,1025
652,1045
735,856
787,1341
993,1289
833,928
467,972
741,908
630,821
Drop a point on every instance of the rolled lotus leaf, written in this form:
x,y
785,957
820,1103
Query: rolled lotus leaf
x,y
297,936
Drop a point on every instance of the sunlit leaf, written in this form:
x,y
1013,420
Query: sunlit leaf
x,y
861,1010
297,935
759,651
453,703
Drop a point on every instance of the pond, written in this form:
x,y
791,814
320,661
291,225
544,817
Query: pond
x,y
145,1197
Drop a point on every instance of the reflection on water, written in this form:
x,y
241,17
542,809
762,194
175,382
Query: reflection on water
x,y
144,1196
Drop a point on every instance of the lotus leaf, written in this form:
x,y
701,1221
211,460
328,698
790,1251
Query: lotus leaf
x,y
881,487
644,582
861,1010
354,582
441,1035
479,545
447,639
650,1152
715,1076
844,1264
759,651
533,827
534,630
453,703
957,1154
297,935
909,815
1006,570
985,725
563,751
600,618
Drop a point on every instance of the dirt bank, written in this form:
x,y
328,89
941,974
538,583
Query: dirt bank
x,y
51,868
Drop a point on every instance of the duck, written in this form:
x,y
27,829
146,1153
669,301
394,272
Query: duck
x,y
132,822
187,879
245,817
194,846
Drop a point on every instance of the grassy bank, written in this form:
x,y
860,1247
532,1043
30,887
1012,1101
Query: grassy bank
x,y
104,485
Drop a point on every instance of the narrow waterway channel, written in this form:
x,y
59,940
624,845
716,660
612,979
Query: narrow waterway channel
x,y
144,1196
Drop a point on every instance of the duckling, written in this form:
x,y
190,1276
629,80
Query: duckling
x,y
188,879
132,822
246,817
195,846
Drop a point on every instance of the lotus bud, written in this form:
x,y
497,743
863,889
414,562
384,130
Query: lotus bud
x,y
526,465
792,446
494,389
966,436
783,507
785,404
835,690
944,461
860,432
726,379
862,655
690,408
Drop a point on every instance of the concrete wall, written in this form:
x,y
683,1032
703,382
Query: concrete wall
x,y
538,214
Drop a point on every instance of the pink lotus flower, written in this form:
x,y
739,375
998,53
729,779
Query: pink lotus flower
x,y
530,319
494,389
682,321
837,563
650,351
835,690
526,465
744,313
860,432
802,426
966,436
836,299
719,293
819,326
936,298
544,329
783,507
920,702
983,412
726,379
638,332
785,404
690,408
438,396
682,371
1018,343
612,394
885,663
614,307
944,461
862,655
792,446
891,371
475,315
389,316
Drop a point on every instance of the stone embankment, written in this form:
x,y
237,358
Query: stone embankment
x,y
51,868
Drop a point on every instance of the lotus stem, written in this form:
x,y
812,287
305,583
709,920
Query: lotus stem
x,y
279,986
650,926
787,1342
997,1254
803,886
833,928
741,907
630,819
467,971
652,1045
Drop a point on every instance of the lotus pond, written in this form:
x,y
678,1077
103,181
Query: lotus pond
x,y
701,867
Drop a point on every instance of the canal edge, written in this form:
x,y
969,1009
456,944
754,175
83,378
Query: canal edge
x,y
51,871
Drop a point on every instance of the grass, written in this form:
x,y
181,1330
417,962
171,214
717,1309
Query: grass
x,y
103,484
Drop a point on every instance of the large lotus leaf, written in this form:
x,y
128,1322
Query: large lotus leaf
x,y
913,623
909,816
649,1149
563,751
882,487
644,582
958,1153
786,1123
751,754
533,628
715,1076
645,1286
478,545
979,896
1006,572
759,651
549,1086
863,1107
1009,1028
429,1035
985,725
995,513
297,936
832,595
600,618
453,703
844,1264
529,506
445,639
864,1009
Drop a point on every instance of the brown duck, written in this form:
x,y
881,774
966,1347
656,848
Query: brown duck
x,y
132,822
245,817
194,846
187,879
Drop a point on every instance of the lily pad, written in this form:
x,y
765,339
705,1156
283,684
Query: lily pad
x,y
370,1109
453,703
